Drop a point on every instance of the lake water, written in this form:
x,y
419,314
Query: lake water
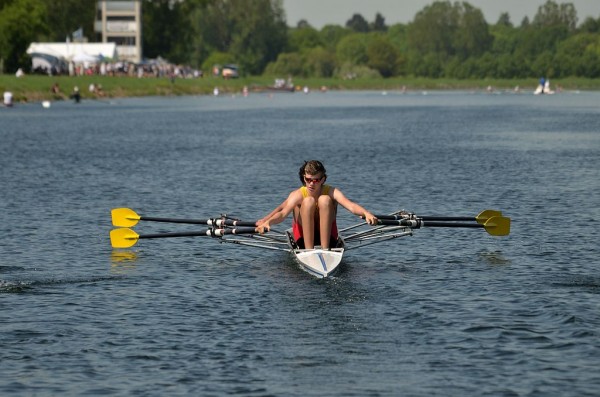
x,y
444,312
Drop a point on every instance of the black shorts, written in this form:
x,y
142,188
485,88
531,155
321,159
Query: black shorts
x,y
332,241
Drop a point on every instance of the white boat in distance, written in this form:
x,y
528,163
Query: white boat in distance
x,y
543,89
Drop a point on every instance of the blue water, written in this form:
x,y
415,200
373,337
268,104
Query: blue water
x,y
444,312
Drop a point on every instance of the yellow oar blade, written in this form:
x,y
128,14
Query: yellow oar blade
x,y
497,226
123,238
124,217
485,215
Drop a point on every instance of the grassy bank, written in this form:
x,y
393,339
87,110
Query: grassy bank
x,y
33,88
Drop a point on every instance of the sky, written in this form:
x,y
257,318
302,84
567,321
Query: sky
x,y
319,13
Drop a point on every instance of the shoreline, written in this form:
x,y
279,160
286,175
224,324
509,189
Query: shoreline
x,y
38,88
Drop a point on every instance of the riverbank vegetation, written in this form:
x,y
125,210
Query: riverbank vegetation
x,y
35,88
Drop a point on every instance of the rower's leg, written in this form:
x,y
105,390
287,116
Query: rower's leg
x,y
326,214
307,214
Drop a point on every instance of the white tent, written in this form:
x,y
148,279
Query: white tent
x,y
76,52
83,57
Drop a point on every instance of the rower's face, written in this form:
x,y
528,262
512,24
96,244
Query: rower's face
x,y
314,181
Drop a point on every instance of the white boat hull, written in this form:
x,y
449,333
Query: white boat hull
x,y
319,262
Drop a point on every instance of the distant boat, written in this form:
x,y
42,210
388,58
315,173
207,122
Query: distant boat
x,y
543,88
547,89
280,85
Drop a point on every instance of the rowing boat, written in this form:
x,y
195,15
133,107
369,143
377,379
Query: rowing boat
x,y
318,261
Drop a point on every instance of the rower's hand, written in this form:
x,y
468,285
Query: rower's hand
x,y
371,219
263,228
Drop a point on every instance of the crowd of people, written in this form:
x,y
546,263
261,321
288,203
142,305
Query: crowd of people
x,y
152,68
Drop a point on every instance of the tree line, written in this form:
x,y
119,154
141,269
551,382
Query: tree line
x,y
444,39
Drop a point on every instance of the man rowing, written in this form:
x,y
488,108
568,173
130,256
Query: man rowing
x,y
314,207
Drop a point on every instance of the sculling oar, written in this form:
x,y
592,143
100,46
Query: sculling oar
x,y
125,217
481,218
125,238
496,225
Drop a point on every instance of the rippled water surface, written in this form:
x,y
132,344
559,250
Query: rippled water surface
x,y
444,312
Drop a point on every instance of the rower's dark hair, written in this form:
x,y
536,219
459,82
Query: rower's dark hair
x,y
311,167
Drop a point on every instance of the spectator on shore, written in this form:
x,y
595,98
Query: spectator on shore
x,y
76,96
8,99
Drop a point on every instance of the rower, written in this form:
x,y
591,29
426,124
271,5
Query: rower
x,y
314,207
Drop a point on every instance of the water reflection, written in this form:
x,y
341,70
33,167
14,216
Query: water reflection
x,y
494,258
122,261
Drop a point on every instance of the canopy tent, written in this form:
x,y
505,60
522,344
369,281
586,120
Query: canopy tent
x,y
76,52
82,57
44,63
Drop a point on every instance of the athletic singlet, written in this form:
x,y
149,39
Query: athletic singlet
x,y
297,227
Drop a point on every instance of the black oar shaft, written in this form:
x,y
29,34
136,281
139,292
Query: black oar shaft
x,y
207,232
430,218
417,223
210,222
175,220
426,223
180,234
448,218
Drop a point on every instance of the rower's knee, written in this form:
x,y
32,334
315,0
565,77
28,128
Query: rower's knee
x,y
309,202
325,203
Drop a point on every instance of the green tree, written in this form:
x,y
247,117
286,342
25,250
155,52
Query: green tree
x,y
302,39
21,21
444,31
590,25
303,23
353,49
505,38
319,63
383,56
433,29
398,36
332,34
542,65
472,37
358,23
552,14
254,31
378,24
63,17
504,20
287,64
576,55
166,30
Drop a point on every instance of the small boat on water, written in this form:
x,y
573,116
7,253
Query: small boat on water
x,y
280,85
319,262
543,88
